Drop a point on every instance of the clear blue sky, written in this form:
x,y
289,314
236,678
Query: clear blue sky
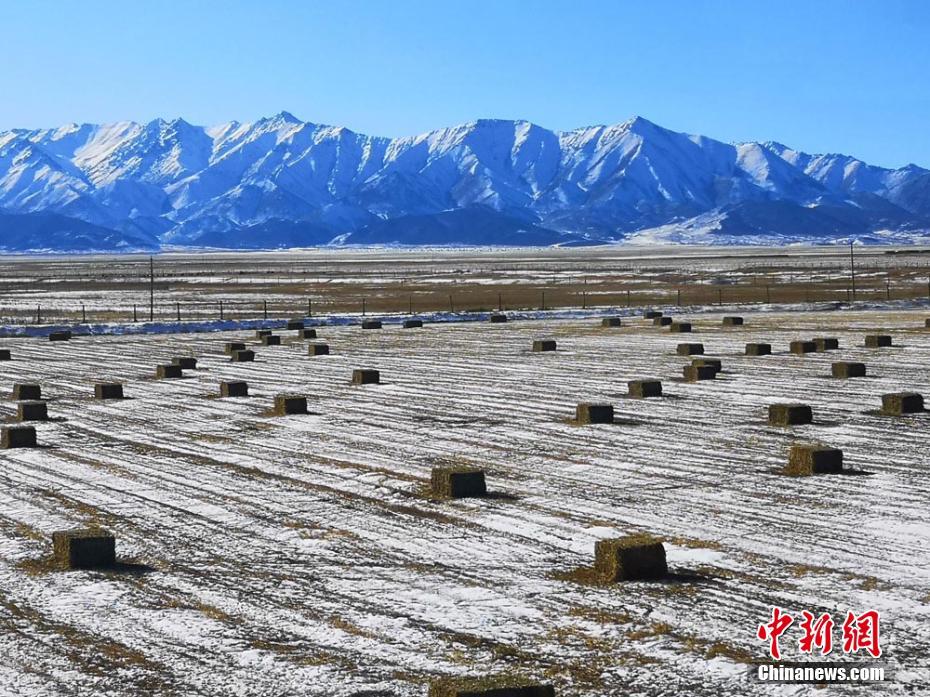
x,y
823,76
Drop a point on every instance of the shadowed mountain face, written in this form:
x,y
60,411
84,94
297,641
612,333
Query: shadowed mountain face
x,y
282,182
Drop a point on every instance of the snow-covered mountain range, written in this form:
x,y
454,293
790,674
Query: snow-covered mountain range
x,y
282,182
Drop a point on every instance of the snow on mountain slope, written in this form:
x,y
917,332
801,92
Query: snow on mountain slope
x,y
511,180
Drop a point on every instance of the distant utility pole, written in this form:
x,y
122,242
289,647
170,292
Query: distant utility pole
x,y
852,270
151,289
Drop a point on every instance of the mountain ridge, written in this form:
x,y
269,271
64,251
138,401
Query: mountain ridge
x,y
298,183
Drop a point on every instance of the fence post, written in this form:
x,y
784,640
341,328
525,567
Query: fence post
x,y
135,317
265,306
177,306
584,300
83,315
452,305
221,311
38,314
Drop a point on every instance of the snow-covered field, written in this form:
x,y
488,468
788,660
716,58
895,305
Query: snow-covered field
x,y
298,555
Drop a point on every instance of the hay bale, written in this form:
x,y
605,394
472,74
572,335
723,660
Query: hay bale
x,y
877,340
261,333
641,389
758,349
802,347
84,549
318,349
825,343
732,321
661,321
651,314
232,346
5,355
690,349
295,324
234,388
245,356
365,376
167,372
60,336
186,362
27,390
108,390
708,362
489,686
544,345
848,369
899,403
586,413
371,324
611,322
306,334
457,482
680,327
32,411
630,558
285,404
271,340
696,373
927,323
413,323
804,460
790,414
18,437
497,318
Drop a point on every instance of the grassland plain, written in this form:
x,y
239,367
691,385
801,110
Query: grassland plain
x,y
284,555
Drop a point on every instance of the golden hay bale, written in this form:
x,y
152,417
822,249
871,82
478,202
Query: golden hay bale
x,y
246,356
232,346
630,558
262,333
651,314
662,321
32,411
790,414
365,376
543,345
877,340
234,388
371,324
732,321
271,340
825,343
642,389
696,373
680,327
17,437
108,390
285,404
413,323
587,413
611,322
847,369
457,482
186,362
306,333
60,336
758,349
802,347
27,390
690,349
318,349
294,324
167,372
808,459
899,403
708,362
84,549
